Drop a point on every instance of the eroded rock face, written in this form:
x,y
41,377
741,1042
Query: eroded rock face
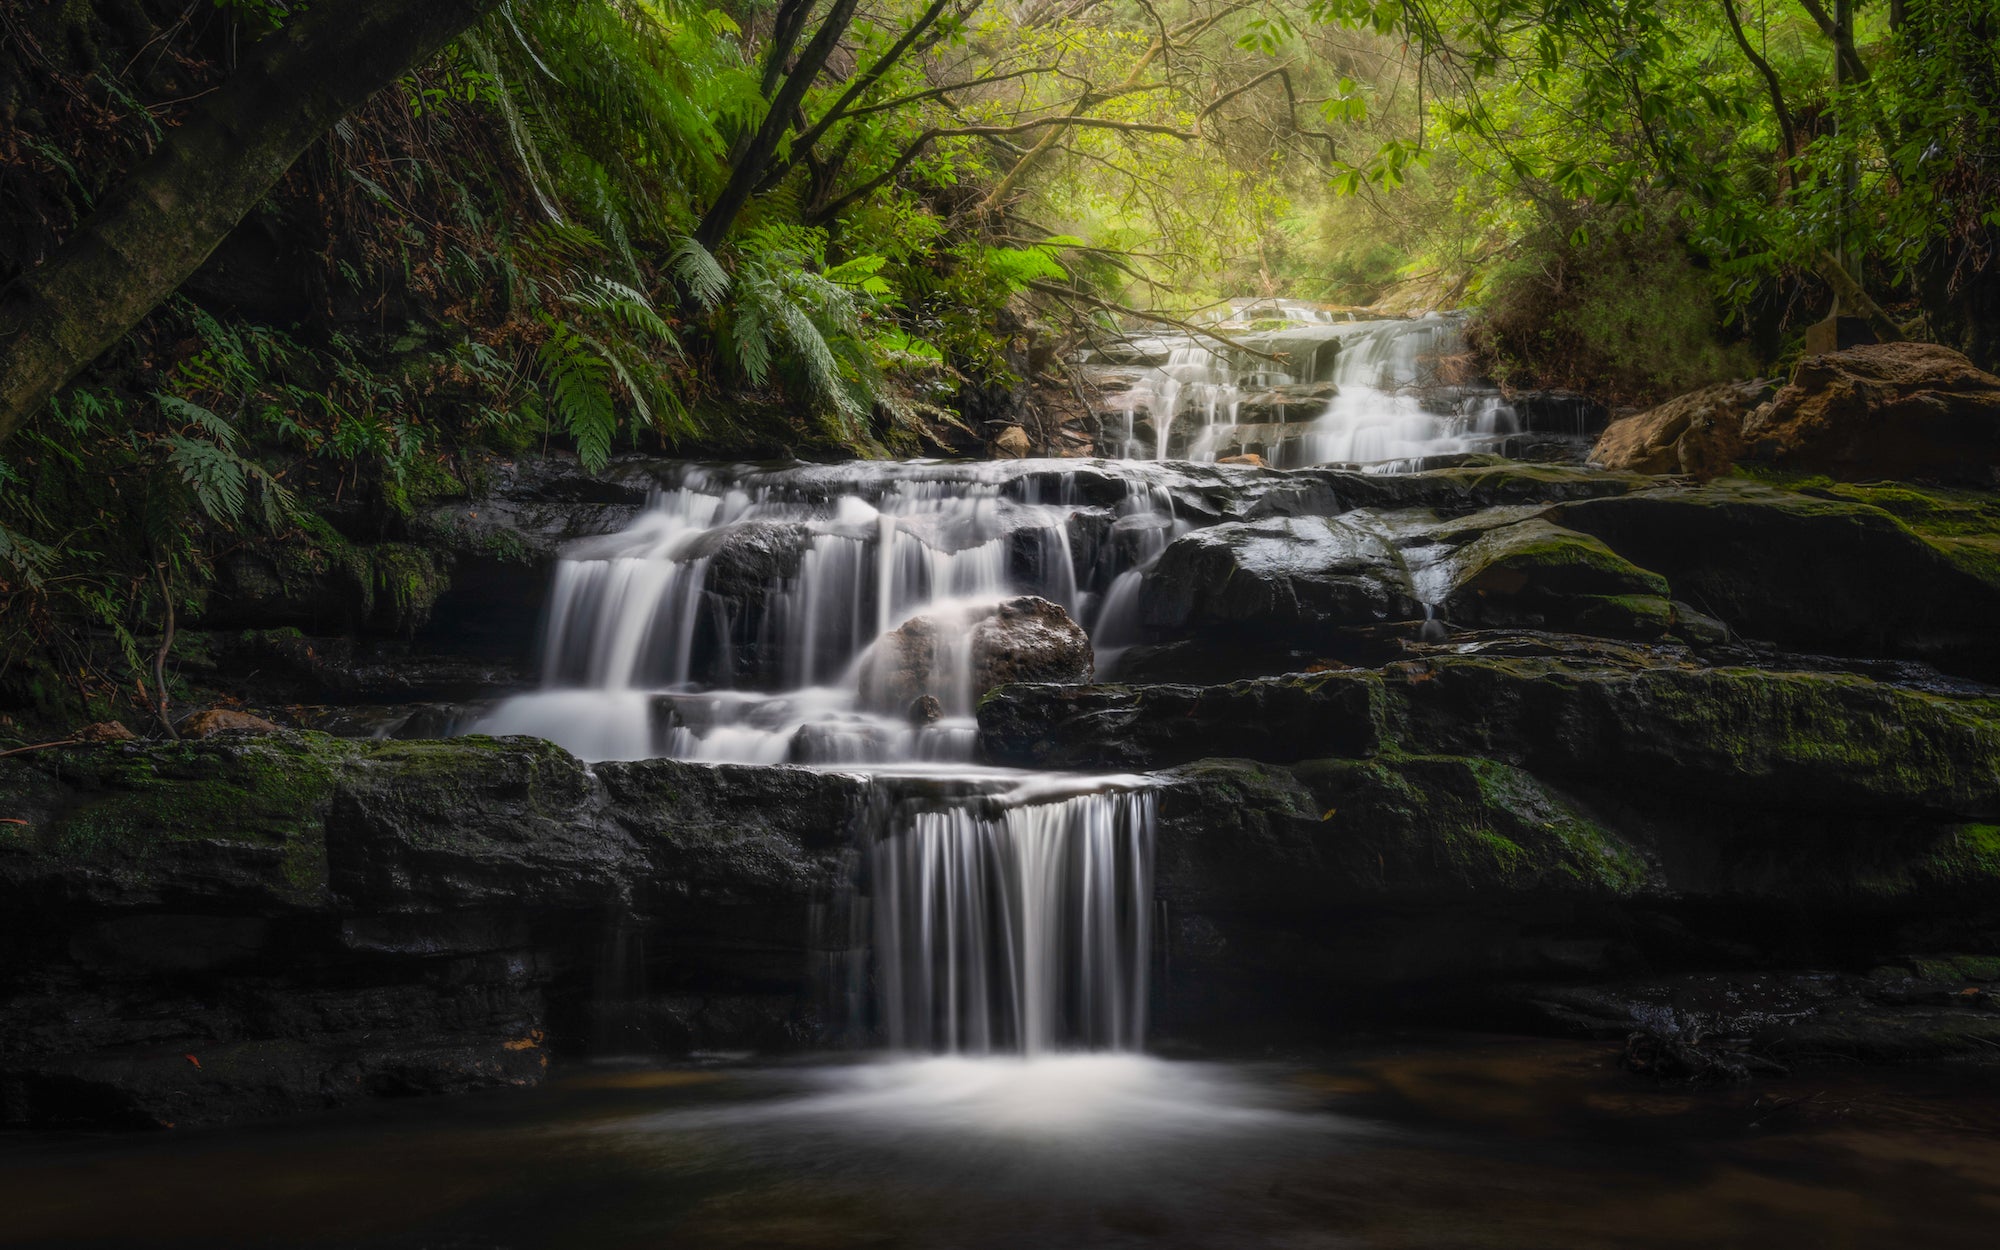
x,y
1885,410
1699,434
319,921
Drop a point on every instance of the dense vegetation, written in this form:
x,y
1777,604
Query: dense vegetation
x,y
815,227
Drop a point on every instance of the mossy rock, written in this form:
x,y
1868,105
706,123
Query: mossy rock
x,y
230,815
406,582
1453,823
1538,575
1818,741
1238,835
1484,484
1877,571
316,578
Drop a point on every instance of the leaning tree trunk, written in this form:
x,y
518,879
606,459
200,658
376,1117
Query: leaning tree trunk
x,y
157,227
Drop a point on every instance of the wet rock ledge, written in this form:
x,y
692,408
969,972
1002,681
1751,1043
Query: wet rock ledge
x,y
1561,836
256,925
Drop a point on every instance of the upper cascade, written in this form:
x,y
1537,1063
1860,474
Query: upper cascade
x,y
1296,384
835,614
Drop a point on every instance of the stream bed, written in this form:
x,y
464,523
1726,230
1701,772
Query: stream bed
x,y
1407,1142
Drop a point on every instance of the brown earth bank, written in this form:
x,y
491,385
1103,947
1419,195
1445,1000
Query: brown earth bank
x,y
1716,764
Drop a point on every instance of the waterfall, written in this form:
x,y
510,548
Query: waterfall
x,y
1323,386
1025,930
749,615
768,615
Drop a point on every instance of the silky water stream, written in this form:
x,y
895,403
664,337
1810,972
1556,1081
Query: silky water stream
x,y
759,616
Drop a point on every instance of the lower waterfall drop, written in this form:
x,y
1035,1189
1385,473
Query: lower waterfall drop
x,y
1026,930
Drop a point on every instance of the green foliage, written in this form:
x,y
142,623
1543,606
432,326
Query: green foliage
x,y
579,391
1728,116
1623,315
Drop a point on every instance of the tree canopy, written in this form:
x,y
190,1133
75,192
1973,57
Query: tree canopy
x,y
261,249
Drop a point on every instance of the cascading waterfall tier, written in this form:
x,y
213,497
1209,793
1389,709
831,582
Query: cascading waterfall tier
x,y
742,617
1316,386
1025,929
737,619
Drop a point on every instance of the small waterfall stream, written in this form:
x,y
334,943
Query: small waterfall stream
x,y
786,616
1022,930
745,617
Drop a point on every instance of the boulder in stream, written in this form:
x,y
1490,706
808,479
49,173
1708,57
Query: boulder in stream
x,y
1699,434
962,654
1277,577
1884,410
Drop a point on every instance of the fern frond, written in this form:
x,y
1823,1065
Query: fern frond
x,y
216,428
213,473
576,375
30,560
699,273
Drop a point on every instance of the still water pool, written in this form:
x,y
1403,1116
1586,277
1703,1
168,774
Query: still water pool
x,y
1491,1143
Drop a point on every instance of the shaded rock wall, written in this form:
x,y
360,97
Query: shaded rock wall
x,y
1451,837
242,926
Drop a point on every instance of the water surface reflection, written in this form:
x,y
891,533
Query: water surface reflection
x,y
1488,1144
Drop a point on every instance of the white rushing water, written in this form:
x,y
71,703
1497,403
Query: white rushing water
x,y
1315,386
748,616
1020,930
752,616
831,617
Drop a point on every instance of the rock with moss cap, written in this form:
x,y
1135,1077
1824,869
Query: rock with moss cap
x,y
1536,574
1819,570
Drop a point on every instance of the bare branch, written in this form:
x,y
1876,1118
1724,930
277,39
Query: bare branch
x,y
1186,327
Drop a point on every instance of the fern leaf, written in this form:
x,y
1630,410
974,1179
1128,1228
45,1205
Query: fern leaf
x,y
213,473
216,428
697,270
582,401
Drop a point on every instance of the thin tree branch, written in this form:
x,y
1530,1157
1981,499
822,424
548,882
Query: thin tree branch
x,y
1186,327
1786,127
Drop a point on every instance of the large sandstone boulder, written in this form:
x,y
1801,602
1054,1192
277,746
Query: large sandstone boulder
x,y
1699,434
1028,639
1886,410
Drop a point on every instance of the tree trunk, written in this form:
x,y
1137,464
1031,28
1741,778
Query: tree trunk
x,y
750,164
158,226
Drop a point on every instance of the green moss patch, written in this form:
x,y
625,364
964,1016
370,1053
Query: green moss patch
x,y
1467,824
